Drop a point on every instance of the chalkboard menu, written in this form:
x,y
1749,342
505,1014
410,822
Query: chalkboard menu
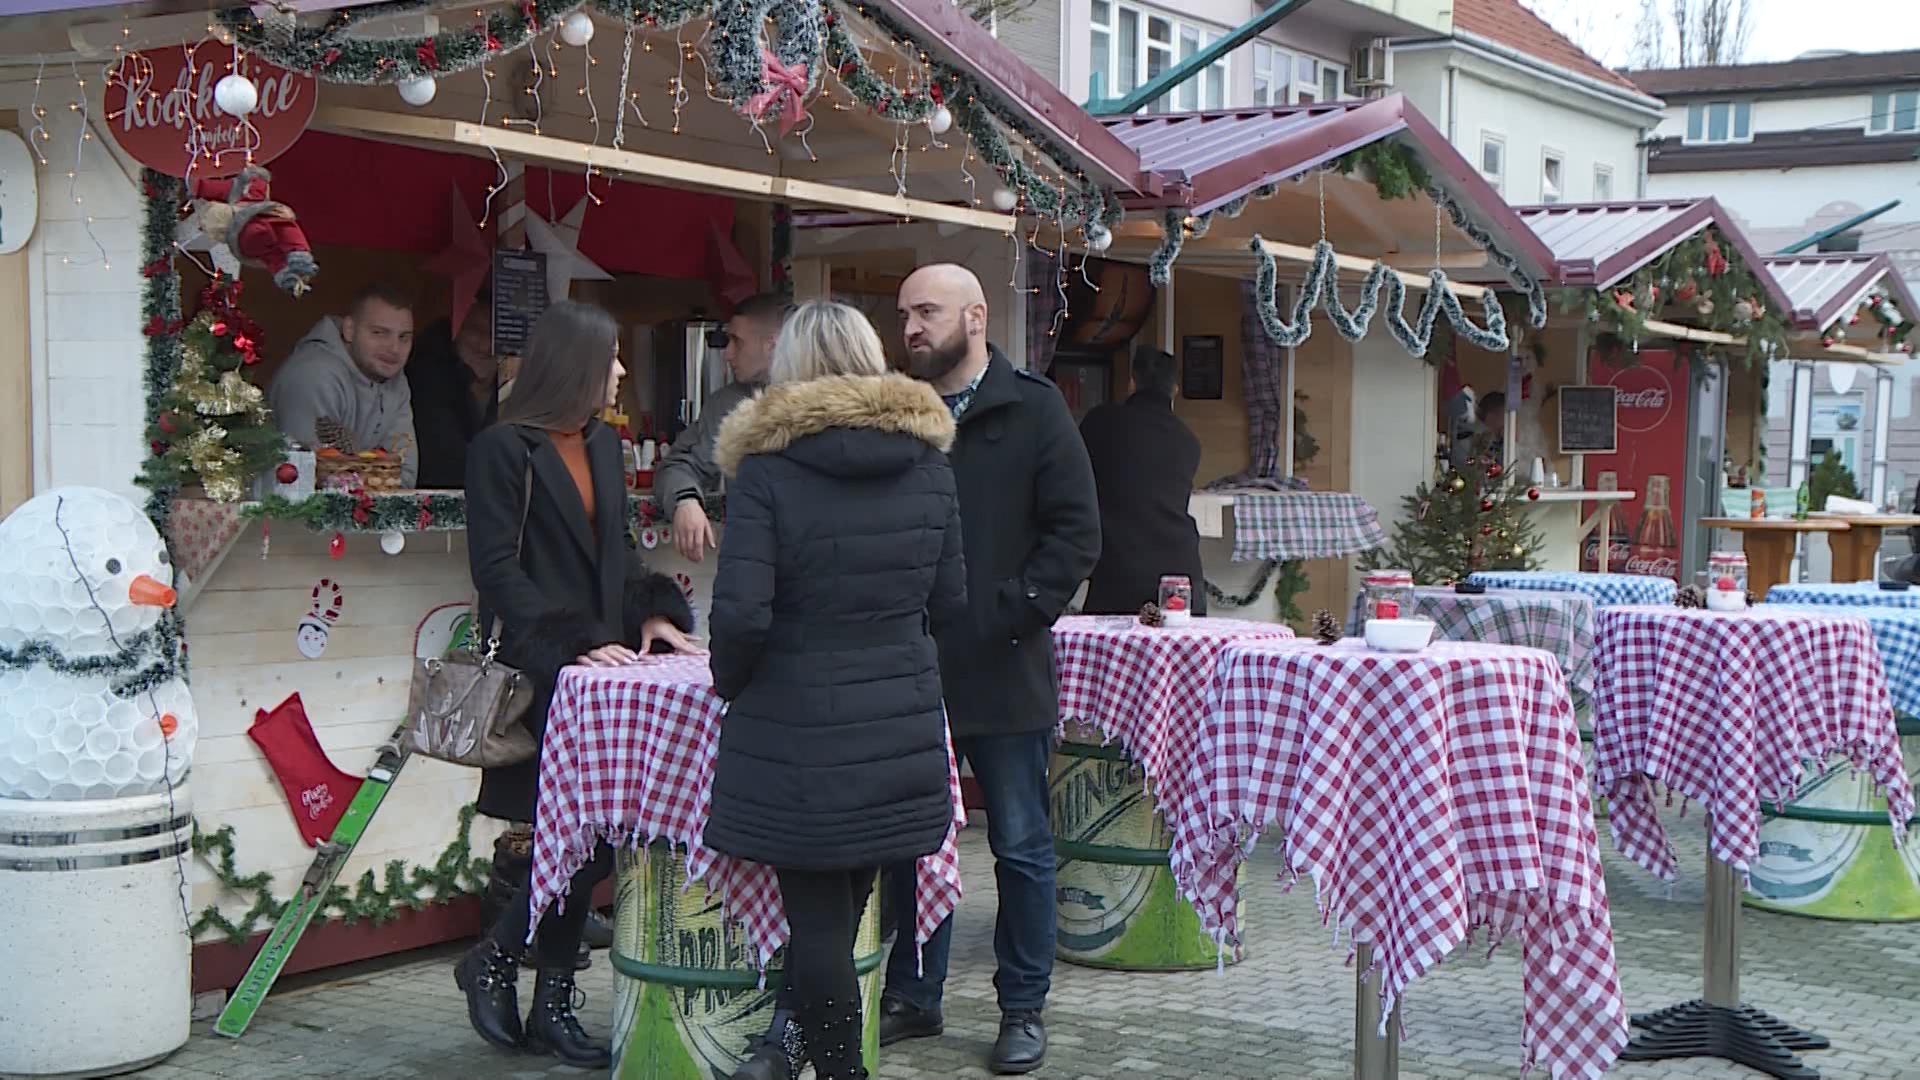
x,y
1588,422
519,296
1203,362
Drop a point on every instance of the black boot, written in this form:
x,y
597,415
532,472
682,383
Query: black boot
x,y
512,862
487,975
1022,1044
779,1054
832,1031
552,1028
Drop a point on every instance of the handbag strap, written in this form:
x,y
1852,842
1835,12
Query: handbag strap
x,y
519,547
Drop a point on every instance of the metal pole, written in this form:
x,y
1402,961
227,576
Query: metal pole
x,y
1154,88
1882,423
1720,953
1857,219
1799,446
1375,1057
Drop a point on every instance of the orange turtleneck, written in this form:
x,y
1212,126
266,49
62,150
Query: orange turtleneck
x,y
572,446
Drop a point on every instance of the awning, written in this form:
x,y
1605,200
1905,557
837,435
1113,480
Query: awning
x,y
1823,289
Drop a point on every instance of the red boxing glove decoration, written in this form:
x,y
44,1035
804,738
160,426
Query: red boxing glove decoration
x,y
246,227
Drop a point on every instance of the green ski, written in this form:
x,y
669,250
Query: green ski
x,y
332,855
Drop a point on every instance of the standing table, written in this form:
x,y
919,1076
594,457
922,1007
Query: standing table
x,y
1856,552
1723,708
1132,698
1559,622
1770,543
1854,594
1605,590
1452,776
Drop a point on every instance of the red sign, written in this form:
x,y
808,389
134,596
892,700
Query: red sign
x,y
160,108
1644,535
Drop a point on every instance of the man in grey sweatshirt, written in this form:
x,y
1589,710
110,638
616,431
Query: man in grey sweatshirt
x,y
347,369
688,477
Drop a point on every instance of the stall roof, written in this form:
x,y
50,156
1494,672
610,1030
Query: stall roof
x,y
1597,245
1208,159
1824,288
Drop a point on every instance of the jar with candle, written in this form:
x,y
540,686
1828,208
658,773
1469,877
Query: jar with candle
x,y
1176,600
1727,581
1389,594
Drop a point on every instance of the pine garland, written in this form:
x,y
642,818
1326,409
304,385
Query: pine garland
x,y
160,311
1322,288
148,659
348,512
214,427
1396,171
455,873
1705,277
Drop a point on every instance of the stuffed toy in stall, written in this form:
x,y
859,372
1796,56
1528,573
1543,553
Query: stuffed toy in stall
x,y
244,225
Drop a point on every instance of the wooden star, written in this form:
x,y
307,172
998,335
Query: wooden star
x,y
559,241
467,259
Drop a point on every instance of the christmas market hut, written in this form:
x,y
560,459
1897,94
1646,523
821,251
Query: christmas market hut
x,y
212,190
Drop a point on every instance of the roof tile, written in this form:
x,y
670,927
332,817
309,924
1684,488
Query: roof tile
x,y
1512,25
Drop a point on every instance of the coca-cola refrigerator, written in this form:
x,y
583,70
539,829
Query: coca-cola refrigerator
x,y
1672,425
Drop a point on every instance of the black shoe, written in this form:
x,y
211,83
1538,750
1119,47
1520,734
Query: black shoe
x,y
488,977
831,1030
1022,1044
583,959
778,1054
552,1028
900,1021
599,933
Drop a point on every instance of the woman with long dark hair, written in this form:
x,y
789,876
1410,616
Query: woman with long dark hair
x,y
567,592
841,559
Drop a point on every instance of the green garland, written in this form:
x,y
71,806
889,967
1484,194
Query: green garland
x,y
1396,170
1287,587
455,873
160,316
1705,277
148,659
339,511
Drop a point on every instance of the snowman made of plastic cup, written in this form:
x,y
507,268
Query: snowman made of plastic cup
x,y
84,577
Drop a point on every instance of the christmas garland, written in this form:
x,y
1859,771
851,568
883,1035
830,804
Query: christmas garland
x,y
1322,288
1894,327
147,660
1702,274
1286,591
455,873
362,512
160,311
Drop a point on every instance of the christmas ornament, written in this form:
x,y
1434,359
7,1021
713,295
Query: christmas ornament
x,y
244,226
1457,484
1004,200
236,95
1486,506
466,260
1099,237
1494,470
1705,306
317,792
1486,530
1150,615
560,241
287,472
310,633
1326,630
940,120
577,29
1533,494
337,547
785,94
1743,311
393,541
418,92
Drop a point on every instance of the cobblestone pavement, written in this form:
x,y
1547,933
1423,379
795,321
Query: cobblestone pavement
x,y
1285,1012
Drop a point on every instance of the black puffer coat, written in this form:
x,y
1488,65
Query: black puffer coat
x,y
841,558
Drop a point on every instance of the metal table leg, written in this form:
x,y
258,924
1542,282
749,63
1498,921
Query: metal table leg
x,y
1717,1025
1374,1057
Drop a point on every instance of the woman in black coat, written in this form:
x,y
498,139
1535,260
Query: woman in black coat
x,y
841,559
546,538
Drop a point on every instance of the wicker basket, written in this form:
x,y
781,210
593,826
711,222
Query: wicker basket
x,y
375,471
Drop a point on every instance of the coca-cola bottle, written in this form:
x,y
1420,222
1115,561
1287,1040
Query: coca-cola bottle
x,y
1656,525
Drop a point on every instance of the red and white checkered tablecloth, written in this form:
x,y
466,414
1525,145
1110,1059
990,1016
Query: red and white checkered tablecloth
x,y
1145,687
1726,708
1427,795
628,757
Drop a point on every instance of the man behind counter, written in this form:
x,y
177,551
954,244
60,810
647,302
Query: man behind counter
x,y
688,476
1144,460
347,369
456,385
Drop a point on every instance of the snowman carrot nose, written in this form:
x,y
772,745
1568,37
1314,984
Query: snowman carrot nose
x,y
147,592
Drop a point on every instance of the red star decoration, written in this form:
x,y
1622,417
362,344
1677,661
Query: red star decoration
x,y
466,260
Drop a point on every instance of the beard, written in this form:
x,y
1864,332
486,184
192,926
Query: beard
x,y
932,361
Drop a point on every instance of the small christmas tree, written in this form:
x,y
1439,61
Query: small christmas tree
x,y
1830,477
213,426
1467,520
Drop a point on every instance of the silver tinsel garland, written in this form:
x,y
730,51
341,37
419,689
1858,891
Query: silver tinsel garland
x,y
1322,288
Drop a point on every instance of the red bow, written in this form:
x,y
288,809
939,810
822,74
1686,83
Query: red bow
x,y
786,92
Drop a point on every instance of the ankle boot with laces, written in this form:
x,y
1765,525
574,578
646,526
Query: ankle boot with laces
x,y
488,976
777,1054
552,1027
832,1031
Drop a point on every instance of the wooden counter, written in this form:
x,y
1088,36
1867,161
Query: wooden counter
x,y
1564,531
1769,544
1856,552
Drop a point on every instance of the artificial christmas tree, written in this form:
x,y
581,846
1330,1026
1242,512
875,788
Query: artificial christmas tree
x,y
1830,477
1467,520
213,426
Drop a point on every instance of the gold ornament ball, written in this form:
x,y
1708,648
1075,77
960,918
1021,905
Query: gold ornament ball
x,y
1456,484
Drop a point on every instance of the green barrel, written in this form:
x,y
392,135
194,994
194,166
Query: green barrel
x,y
686,996
1117,904
1827,855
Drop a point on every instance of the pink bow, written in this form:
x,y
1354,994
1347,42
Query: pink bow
x,y
786,91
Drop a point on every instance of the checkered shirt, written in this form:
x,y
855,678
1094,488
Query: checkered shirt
x,y
628,757
1146,688
1559,622
1855,594
1605,590
1427,795
1303,525
1725,709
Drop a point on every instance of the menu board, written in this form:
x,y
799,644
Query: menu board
x,y
1203,367
1589,419
519,297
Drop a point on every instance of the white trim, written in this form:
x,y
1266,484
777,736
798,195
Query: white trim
x,y
1600,169
1651,107
1558,157
1498,180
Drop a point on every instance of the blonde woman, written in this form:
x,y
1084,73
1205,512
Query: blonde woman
x,y
841,560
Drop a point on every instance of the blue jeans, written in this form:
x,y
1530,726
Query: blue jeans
x,y
1012,773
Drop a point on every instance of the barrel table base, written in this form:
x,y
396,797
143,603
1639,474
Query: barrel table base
x,y
1117,906
1829,856
687,998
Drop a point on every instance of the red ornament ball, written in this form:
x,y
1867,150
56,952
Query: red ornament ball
x,y
166,423
1486,505
287,473
1494,470
1486,530
219,329
337,547
1533,494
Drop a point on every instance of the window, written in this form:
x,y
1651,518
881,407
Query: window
x,y
1493,160
1553,177
1333,80
1895,112
1272,72
1131,46
1720,121
1602,183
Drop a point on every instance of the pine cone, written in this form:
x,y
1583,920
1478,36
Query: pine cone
x,y
1690,597
1326,630
1150,615
1750,600
333,433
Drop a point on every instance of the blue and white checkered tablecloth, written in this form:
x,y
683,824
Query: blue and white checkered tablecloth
x,y
1605,590
1896,634
1853,594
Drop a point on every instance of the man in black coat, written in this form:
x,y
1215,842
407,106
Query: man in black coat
x,y
1144,460
1031,532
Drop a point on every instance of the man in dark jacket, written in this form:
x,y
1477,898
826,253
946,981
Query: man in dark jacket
x,y
1031,532
1144,459
455,384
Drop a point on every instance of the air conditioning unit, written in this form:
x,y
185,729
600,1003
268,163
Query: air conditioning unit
x,y
1372,66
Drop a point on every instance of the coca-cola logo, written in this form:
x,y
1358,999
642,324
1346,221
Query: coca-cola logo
x,y
1652,566
160,107
1643,395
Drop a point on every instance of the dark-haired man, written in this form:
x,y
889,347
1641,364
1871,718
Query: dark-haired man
x,y
347,369
689,476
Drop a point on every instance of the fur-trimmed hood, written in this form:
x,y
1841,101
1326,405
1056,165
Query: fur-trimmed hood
x,y
786,414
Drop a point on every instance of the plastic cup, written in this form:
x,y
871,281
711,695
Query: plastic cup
x,y
38,722
68,792
35,786
87,770
120,769
151,765
52,766
102,743
69,737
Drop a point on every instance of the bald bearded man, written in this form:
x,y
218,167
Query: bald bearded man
x,y
1031,533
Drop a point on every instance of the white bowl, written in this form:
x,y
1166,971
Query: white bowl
x,y
1399,635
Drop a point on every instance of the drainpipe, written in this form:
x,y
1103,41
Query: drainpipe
x,y
1453,104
